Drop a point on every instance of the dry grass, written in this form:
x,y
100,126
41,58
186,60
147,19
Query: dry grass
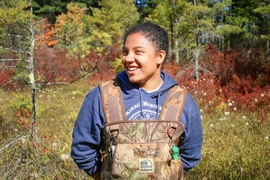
x,y
236,146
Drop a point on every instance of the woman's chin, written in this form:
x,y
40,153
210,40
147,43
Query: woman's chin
x,y
134,80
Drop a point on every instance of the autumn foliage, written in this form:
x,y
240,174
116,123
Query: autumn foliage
x,y
231,78
227,76
48,35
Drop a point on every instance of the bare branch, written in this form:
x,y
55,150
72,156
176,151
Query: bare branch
x,y
10,60
63,83
3,85
13,142
14,50
18,36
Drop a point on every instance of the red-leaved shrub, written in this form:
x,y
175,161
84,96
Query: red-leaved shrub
x,y
242,83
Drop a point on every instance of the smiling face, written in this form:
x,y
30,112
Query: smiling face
x,y
142,61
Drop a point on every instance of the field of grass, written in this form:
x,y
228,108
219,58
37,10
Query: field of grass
x,y
236,146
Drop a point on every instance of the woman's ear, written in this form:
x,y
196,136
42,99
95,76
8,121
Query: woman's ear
x,y
161,56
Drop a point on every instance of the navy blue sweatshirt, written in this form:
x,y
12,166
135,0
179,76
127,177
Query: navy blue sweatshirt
x,y
139,105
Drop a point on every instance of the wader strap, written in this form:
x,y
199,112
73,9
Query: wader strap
x,y
174,104
112,101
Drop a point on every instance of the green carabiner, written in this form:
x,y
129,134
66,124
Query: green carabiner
x,y
175,152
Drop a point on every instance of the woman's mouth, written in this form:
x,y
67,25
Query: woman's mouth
x,y
132,68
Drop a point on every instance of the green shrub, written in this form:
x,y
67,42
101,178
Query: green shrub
x,y
235,147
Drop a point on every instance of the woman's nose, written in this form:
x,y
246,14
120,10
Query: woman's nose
x,y
129,57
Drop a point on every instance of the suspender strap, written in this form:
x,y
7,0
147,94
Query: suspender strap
x,y
174,104
112,101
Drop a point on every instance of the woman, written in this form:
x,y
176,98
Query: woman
x,y
144,87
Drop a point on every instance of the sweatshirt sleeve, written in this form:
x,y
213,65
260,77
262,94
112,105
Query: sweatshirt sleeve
x,y
192,138
87,133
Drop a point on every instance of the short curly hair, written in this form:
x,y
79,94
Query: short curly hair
x,y
154,33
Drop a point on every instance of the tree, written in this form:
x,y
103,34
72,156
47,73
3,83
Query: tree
x,y
80,41
18,47
204,30
170,15
16,39
189,25
264,32
113,17
104,29
70,26
145,7
242,24
224,27
51,9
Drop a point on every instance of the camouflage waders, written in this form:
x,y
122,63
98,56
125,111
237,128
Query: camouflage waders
x,y
141,149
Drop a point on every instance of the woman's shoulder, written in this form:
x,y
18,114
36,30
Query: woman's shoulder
x,y
93,93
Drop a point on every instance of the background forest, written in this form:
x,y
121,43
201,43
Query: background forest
x,y
53,52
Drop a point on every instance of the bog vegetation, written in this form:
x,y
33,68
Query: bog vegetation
x,y
52,54
236,137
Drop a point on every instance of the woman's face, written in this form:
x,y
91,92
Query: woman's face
x,y
142,62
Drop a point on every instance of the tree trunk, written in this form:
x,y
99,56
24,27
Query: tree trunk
x,y
32,78
267,50
197,50
177,59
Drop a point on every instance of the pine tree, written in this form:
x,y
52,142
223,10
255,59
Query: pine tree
x,y
146,7
51,9
15,38
114,17
105,27
189,25
263,10
70,26
171,15
19,40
